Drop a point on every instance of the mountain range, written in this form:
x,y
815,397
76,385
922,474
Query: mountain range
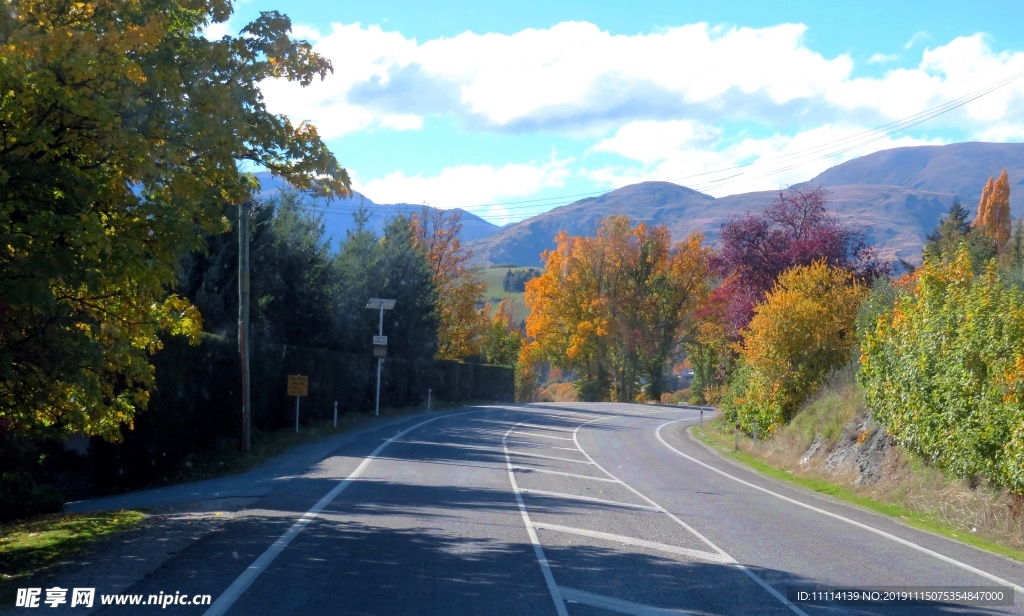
x,y
338,213
897,196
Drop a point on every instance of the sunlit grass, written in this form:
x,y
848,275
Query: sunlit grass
x,y
719,436
30,546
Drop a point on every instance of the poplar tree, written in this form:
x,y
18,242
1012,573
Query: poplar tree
x,y
993,219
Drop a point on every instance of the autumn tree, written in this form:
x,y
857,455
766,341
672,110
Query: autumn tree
x,y
501,338
796,229
613,308
459,290
993,220
802,331
122,133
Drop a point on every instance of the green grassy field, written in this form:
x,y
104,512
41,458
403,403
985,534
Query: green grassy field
x,y
494,292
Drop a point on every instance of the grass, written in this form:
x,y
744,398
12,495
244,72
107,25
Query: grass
x,y
718,436
494,292
30,546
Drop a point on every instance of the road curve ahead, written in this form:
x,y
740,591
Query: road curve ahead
x,y
569,509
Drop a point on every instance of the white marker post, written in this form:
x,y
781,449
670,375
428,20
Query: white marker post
x,y
335,413
380,341
429,391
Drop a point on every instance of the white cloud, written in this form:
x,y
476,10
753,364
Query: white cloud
x,y
920,35
715,168
468,185
574,78
881,58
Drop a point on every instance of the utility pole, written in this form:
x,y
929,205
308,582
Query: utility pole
x,y
243,318
380,341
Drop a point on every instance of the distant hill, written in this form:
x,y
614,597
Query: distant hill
x,y
898,195
338,213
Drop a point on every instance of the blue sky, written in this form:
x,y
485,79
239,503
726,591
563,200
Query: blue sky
x,y
509,109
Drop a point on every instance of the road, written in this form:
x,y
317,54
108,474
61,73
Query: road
x,y
569,509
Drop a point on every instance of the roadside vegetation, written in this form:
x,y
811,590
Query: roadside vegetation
x,y
122,181
29,547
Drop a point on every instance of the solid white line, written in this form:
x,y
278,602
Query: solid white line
x,y
557,438
537,455
538,551
732,561
651,545
590,499
621,605
530,469
243,581
882,533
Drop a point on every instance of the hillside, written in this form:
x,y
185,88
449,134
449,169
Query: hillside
x,y
338,213
898,195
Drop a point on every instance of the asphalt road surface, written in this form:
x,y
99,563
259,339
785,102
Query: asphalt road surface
x,y
568,509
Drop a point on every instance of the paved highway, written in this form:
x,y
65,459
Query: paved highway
x,y
567,509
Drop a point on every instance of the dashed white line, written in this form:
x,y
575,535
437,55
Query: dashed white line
x,y
622,606
557,438
642,543
591,499
530,469
537,455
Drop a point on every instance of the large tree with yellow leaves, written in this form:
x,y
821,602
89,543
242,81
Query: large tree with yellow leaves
x,y
122,132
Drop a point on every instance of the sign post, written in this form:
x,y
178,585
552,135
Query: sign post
x,y
380,341
298,386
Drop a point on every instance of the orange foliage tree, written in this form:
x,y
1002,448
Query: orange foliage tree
x,y
993,219
460,326
614,308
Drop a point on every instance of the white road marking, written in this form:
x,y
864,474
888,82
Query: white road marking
x,y
651,545
622,606
537,455
530,469
536,427
836,516
557,438
590,499
542,560
243,581
731,561
517,442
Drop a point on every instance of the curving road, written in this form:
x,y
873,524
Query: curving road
x,y
569,509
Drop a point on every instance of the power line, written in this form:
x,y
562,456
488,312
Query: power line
x,y
762,167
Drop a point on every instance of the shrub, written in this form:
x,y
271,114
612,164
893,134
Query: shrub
x,y
944,371
21,497
802,331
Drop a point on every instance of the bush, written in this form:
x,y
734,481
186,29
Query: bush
x,y
801,333
21,497
944,371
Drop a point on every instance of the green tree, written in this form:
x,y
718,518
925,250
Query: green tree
x,y
502,340
121,134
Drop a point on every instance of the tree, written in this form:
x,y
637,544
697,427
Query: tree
x,y
993,220
614,308
802,331
459,290
394,266
502,340
796,229
943,370
121,134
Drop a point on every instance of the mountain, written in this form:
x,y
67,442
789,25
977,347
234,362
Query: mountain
x,y
338,213
897,195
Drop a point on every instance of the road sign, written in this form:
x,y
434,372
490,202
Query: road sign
x,y
380,351
380,341
298,385
381,304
